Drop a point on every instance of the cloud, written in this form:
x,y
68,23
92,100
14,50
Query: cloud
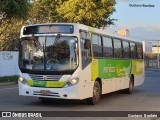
x,y
151,32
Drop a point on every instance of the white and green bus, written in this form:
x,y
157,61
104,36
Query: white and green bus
x,y
75,61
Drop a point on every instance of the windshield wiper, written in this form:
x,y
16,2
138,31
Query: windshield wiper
x,y
57,38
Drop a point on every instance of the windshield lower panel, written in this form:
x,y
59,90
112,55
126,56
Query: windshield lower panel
x,y
49,54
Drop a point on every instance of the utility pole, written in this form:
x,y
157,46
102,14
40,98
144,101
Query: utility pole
x,y
158,52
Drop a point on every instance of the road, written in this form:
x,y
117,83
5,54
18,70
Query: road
x,y
144,98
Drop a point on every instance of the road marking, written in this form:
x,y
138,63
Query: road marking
x,y
9,88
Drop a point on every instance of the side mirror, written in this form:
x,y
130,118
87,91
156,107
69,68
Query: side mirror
x,y
87,44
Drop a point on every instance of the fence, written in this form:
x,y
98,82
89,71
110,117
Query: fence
x,y
151,60
8,63
151,50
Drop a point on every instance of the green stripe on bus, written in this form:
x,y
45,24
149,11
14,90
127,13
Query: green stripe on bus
x,y
112,68
56,84
29,82
48,84
39,83
137,67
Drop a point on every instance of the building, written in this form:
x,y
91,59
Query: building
x,y
147,46
123,32
156,49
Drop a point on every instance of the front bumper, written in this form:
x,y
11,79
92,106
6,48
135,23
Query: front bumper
x,y
61,93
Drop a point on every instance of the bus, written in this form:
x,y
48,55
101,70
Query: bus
x,y
75,61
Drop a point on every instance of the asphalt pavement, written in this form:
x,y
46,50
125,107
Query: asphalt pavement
x,y
144,98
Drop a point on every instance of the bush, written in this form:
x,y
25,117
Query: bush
x,y
9,79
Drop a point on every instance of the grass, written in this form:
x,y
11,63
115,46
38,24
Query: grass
x,y
8,79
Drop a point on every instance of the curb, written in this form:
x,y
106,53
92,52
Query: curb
x,y
152,69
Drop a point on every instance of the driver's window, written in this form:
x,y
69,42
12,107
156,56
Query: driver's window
x,y
86,53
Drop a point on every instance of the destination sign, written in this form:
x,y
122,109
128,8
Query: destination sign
x,y
47,29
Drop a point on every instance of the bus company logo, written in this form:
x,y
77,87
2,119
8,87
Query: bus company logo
x,y
6,114
109,69
44,77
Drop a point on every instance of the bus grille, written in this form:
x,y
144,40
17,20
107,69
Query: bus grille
x,y
53,94
45,77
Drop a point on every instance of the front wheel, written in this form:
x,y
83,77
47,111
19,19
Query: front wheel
x,y
96,94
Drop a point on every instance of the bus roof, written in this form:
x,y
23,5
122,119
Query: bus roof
x,y
92,29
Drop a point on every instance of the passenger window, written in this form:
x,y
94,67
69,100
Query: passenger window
x,y
133,48
107,47
117,48
139,51
97,46
126,51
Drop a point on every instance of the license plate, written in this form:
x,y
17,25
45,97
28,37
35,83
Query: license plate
x,y
45,92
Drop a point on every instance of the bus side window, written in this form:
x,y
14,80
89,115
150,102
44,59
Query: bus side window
x,y
107,47
97,45
139,51
126,52
133,48
117,48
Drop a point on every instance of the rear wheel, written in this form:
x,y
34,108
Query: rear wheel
x,y
131,85
96,94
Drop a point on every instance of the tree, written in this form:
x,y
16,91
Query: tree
x,y
43,11
94,13
13,9
13,13
11,35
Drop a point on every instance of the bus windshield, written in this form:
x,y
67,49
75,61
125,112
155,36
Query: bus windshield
x,y
49,53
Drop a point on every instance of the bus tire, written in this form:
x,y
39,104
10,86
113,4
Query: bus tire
x,y
96,94
131,85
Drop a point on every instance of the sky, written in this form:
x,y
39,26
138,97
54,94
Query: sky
x,y
142,22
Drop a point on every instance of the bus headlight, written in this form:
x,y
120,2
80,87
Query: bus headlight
x,y
72,82
21,79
